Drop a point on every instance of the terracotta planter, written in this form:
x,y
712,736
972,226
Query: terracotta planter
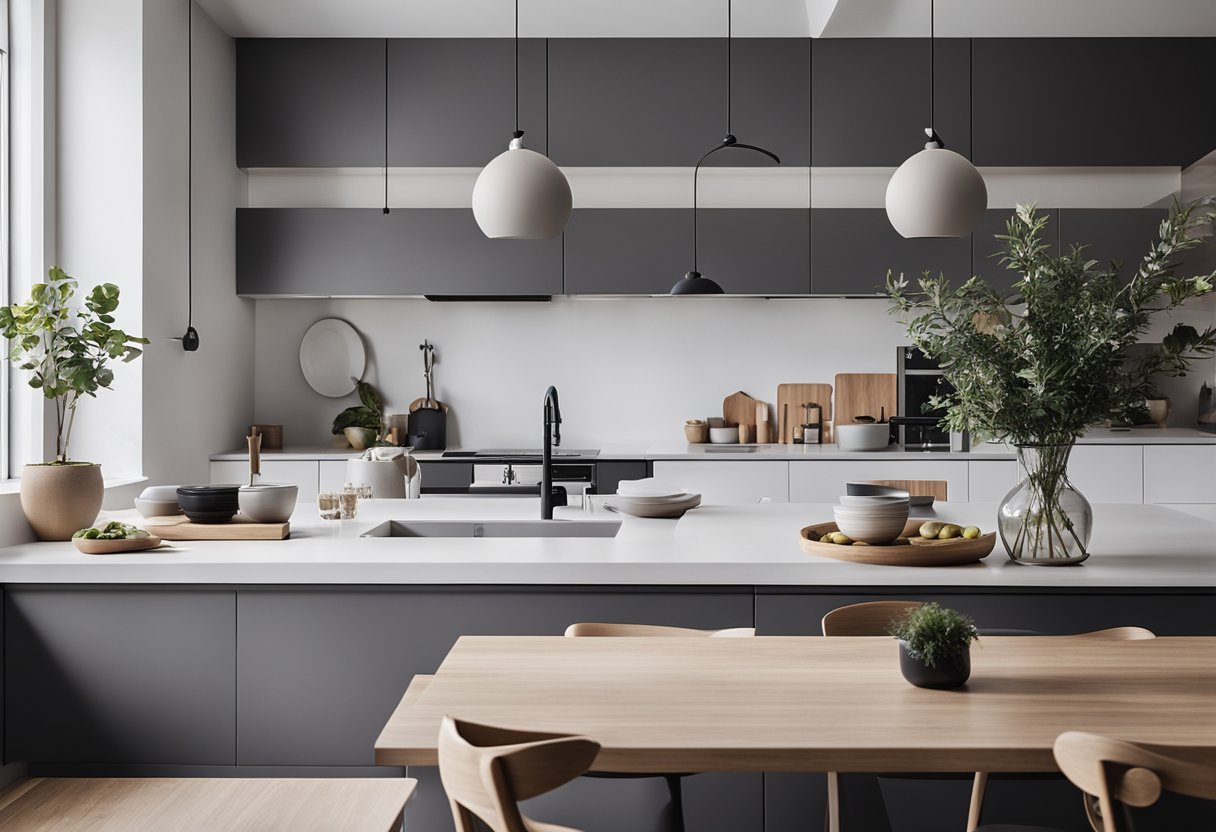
x,y
59,500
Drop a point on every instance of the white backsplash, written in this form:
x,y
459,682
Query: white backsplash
x,y
628,370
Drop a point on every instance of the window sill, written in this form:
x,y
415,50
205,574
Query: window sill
x,y
13,486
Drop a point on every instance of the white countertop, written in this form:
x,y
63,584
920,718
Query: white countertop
x,y
682,450
1134,546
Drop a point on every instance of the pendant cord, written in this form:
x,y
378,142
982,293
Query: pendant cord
x,y
517,67
729,17
189,164
386,102
932,65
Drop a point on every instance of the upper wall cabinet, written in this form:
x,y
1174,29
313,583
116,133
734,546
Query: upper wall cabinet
x,y
353,252
1122,235
870,99
452,100
309,102
853,248
1090,101
644,251
662,101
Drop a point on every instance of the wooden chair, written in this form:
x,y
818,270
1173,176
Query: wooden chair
x,y
486,771
873,618
937,489
1127,774
675,789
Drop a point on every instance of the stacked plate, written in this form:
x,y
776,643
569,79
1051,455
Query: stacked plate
x,y
872,519
650,498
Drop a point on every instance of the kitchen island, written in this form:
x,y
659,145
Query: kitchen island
x,y
276,657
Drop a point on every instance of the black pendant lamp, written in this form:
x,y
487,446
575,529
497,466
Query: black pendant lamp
x,y
693,282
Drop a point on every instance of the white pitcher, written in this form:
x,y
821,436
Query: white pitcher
x,y
391,472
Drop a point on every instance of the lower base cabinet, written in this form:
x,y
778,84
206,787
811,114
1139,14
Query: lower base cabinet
x,y
726,482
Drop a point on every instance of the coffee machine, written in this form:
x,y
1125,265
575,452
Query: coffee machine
x,y
919,379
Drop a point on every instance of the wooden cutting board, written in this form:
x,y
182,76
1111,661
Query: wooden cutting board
x,y
740,409
865,394
791,397
764,425
180,528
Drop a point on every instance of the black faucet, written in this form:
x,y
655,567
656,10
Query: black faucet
x,y
553,436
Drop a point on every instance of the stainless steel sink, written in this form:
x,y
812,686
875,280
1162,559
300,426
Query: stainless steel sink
x,y
495,528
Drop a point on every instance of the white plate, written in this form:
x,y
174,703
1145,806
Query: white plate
x,y
332,357
662,511
649,487
654,501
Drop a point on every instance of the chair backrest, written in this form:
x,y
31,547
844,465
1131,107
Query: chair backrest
x,y
1120,634
873,618
486,770
590,628
1131,774
937,489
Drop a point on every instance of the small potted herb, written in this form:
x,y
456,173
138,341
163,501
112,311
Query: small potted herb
x,y
363,423
935,646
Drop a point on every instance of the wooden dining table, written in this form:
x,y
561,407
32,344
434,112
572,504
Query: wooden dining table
x,y
810,704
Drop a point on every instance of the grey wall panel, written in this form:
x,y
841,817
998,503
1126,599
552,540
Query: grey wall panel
x,y
356,251
309,102
771,101
870,99
120,676
1089,101
853,248
635,101
756,251
453,99
627,251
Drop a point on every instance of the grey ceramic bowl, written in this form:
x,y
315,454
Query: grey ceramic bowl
x,y
157,508
268,503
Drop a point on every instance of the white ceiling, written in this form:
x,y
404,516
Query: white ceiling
x,y
706,18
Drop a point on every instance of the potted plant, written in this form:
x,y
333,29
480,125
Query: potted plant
x,y
362,423
935,646
67,352
1039,367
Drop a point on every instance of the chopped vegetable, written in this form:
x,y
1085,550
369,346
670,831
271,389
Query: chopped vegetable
x,y
114,530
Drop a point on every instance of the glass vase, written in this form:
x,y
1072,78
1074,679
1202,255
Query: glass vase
x,y
1044,520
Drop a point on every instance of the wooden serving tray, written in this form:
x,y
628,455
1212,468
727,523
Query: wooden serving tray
x,y
901,553
114,547
238,528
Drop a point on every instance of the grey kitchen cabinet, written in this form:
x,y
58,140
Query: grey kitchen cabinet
x,y
1089,101
116,675
452,100
853,248
644,251
870,99
309,102
321,670
1124,235
356,251
987,250
662,101
608,475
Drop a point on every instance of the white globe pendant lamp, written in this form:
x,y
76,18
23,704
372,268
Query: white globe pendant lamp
x,y
521,194
936,192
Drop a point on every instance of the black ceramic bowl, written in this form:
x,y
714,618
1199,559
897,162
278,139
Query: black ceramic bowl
x,y
209,503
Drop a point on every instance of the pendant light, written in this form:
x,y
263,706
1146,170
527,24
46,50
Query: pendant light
x,y
693,282
386,76
521,194
190,340
937,192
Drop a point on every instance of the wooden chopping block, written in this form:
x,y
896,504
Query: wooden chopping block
x,y
865,394
739,409
791,398
764,427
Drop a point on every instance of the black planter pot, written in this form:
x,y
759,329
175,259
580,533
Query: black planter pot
x,y
951,672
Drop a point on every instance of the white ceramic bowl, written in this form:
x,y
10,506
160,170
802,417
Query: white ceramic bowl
x,y
868,502
877,529
724,436
268,503
160,493
863,437
157,508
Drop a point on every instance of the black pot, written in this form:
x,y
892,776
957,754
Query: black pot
x,y
209,503
950,672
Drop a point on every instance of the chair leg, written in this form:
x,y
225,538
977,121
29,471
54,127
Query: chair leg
x,y
676,790
833,821
978,787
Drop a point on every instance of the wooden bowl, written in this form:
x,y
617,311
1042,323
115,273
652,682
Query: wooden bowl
x,y
900,552
114,547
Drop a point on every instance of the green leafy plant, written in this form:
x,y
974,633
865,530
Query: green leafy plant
x,y
67,350
932,632
369,413
1049,361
